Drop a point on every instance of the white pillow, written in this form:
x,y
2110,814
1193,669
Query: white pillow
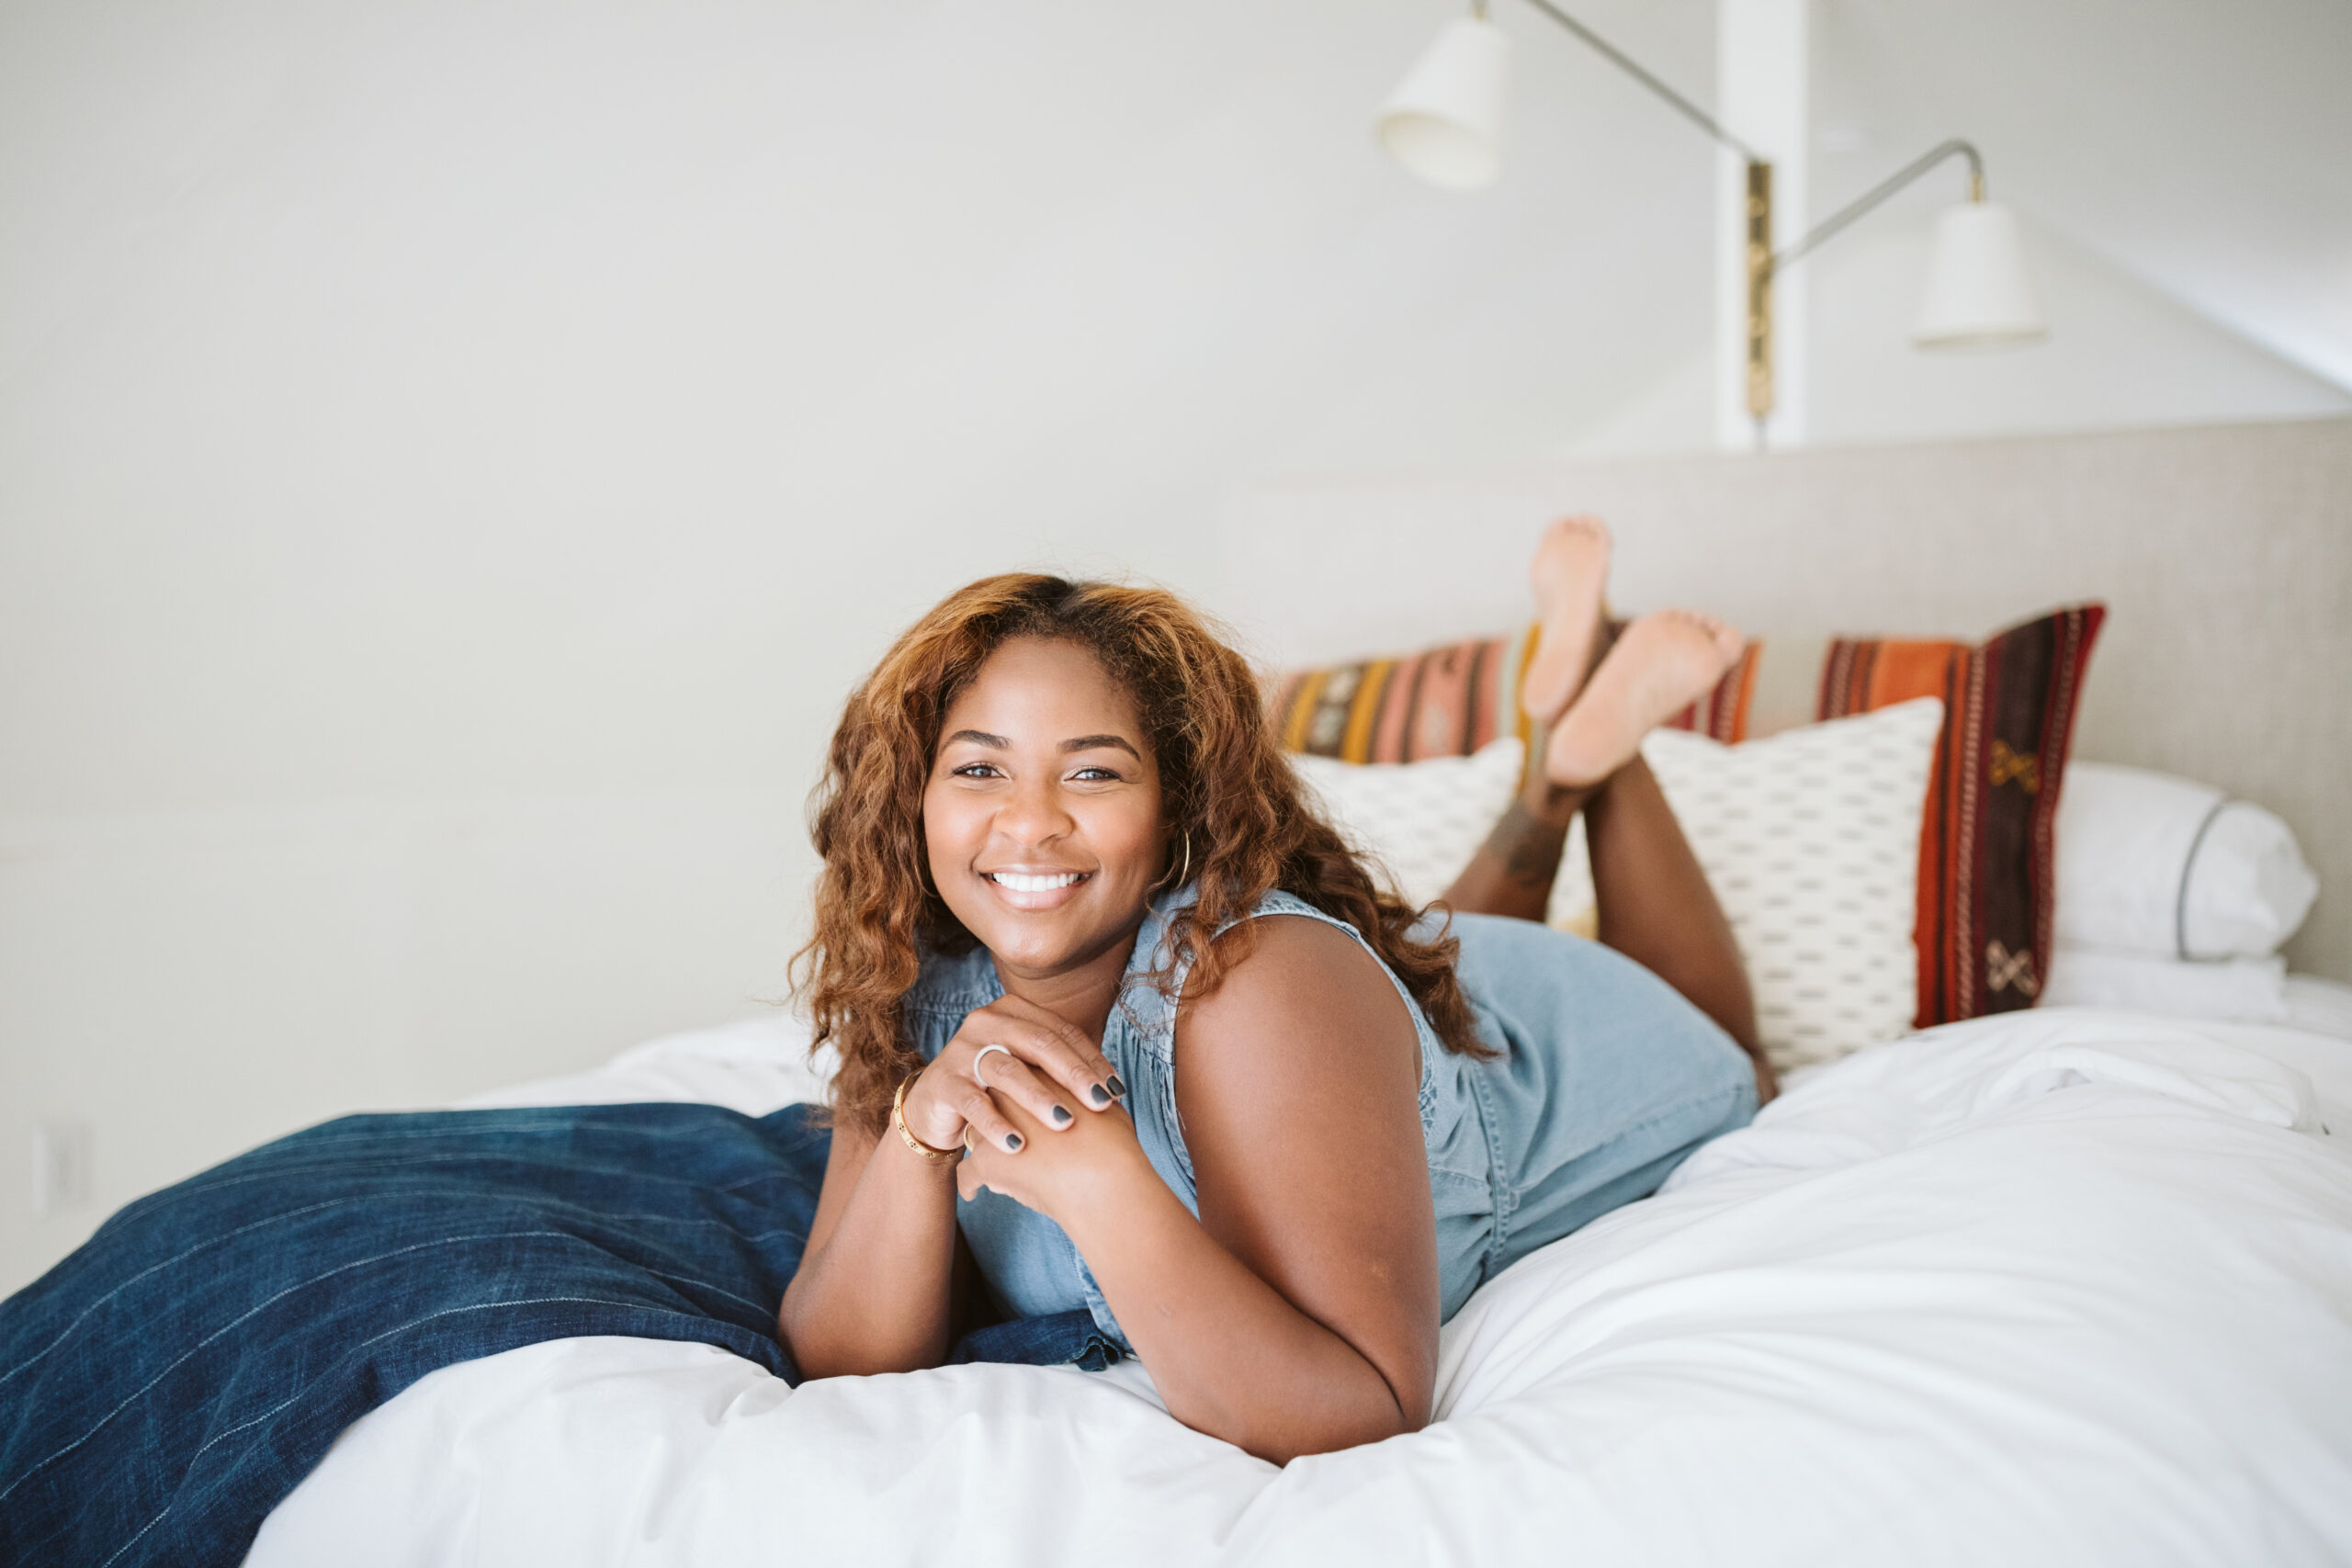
x,y
1420,822
1810,839
2248,988
2155,864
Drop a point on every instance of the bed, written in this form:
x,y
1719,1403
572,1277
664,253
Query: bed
x,y
2064,1286
2067,1285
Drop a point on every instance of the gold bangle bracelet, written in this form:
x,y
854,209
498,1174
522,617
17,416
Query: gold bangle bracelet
x,y
899,1120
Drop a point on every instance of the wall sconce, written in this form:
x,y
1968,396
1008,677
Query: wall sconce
x,y
1444,123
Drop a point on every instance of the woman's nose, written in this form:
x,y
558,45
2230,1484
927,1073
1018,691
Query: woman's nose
x,y
1034,814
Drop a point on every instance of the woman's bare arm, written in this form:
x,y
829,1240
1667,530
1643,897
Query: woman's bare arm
x,y
1299,1313
871,1292
1299,1084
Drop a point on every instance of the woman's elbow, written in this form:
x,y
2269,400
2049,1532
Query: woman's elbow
x,y
820,1348
850,1361
1338,1431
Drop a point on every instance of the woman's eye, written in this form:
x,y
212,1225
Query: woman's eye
x,y
975,771
1096,775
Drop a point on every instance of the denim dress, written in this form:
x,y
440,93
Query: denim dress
x,y
1605,1078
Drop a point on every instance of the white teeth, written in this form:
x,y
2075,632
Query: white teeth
x,y
1021,883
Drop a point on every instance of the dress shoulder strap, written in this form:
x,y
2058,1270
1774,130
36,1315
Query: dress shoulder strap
x,y
1278,902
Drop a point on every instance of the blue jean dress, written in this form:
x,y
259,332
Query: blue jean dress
x,y
1605,1078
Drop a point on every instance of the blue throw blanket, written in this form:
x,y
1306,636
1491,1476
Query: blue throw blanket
x,y
163,1388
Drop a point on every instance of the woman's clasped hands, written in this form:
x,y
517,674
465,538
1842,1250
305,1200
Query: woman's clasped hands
x,y
1034,1103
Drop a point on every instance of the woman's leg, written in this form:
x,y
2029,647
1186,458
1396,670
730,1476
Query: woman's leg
x,y
1655,904
1511,873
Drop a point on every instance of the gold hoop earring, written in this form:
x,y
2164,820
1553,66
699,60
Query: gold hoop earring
x,y
1185,875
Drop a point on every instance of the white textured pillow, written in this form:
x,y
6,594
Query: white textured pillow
x,y
2155,864
1418,821
1810,839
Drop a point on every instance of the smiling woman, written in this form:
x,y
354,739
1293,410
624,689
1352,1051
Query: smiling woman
x,y
1131,1042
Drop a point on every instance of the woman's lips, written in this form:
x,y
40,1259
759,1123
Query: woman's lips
x,y
1035,889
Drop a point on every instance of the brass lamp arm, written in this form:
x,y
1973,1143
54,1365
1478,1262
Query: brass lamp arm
x,y
1878,194
1762,264
1862,206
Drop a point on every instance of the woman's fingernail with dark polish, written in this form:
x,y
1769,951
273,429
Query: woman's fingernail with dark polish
x,y
1097,1094
1012,1143
1117,1087
1061,1116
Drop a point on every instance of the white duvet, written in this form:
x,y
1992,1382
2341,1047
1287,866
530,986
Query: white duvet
x,y
2061,1287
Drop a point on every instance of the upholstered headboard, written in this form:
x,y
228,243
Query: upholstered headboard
x,y
2225,555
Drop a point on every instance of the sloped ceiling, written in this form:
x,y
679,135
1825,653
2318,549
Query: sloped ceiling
x,y
2185,170
2203,148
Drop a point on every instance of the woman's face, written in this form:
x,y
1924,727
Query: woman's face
x,y
1042,815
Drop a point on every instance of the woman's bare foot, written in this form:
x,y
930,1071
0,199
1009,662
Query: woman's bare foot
x,y
1570,570
1663,663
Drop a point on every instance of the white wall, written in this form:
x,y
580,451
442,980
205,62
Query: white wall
x,y
454,459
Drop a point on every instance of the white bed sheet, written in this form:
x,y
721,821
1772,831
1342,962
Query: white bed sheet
x,y
2061,1286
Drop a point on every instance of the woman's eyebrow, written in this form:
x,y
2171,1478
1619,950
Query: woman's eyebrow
x,y
1090,742
980,738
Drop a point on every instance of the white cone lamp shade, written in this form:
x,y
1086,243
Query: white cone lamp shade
x,y
1978,294
1444,121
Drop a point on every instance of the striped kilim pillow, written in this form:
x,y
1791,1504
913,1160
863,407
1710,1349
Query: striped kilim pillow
x,y
1448,702
1986,849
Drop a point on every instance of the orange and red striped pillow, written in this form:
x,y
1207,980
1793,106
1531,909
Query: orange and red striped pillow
x,y
1985,845
1445,702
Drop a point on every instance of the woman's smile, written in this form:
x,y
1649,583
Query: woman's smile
x,y
1027,889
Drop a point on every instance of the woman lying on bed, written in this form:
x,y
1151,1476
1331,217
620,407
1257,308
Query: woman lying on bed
x,y
1053,813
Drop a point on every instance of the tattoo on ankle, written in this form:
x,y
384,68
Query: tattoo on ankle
x,y
1529,848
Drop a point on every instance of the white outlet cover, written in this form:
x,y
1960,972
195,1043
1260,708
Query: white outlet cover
x,y
61,1167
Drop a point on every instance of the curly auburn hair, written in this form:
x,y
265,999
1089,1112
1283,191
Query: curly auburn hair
x,y
1225,789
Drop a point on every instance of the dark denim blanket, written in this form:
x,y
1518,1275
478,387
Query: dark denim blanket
x,y
161,1389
